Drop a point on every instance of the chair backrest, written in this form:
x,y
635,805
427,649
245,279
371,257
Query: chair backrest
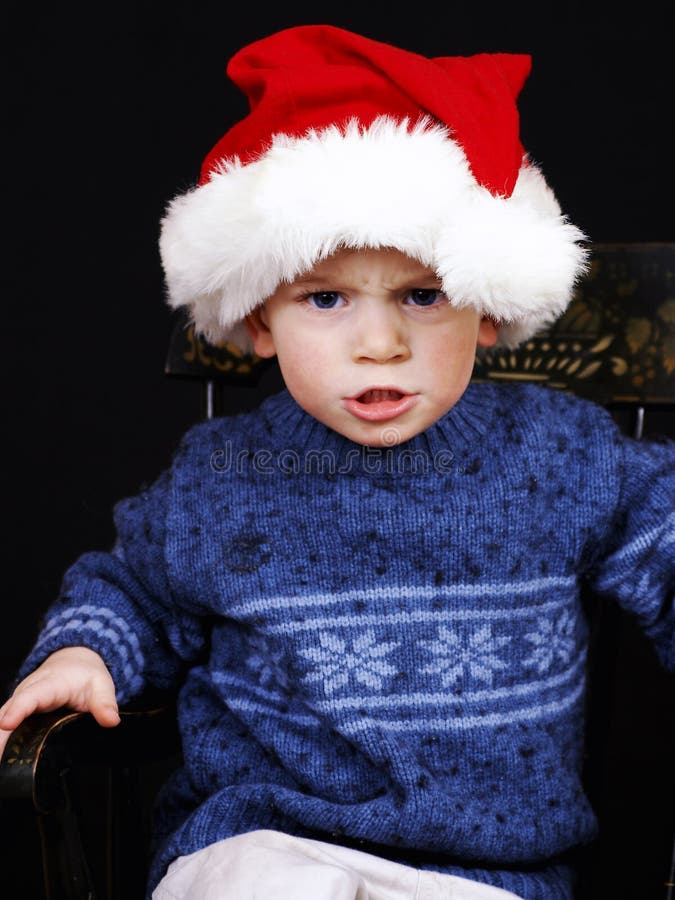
x,y
615,343
224,372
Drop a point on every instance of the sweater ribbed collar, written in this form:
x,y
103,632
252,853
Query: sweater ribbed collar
x,y
286,428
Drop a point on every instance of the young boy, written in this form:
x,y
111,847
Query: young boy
x,y
367,590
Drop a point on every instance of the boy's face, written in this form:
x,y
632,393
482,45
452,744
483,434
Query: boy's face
x,y
369,345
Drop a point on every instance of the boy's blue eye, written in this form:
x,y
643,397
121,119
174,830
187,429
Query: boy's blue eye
x,y
424,297
325,299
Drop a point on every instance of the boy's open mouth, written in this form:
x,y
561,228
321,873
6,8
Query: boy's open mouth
x,y
375,395
377,404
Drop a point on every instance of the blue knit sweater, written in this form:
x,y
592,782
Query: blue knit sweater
x,y
384,648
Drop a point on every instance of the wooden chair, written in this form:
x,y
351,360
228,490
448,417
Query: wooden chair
x,y
91,789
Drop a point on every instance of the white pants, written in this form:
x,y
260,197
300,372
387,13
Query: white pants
x,y
269,865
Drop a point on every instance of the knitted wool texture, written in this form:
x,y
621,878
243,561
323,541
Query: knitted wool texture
x,y
383,646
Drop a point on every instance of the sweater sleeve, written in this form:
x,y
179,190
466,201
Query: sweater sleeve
x,y
120,604
636,564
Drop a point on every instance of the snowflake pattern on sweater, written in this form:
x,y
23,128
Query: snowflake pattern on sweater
x,y
335,663
383,648
478,654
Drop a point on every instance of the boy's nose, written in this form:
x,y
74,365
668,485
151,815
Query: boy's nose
x,y
380,335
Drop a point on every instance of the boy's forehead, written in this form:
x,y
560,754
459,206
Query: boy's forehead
x,y
368,264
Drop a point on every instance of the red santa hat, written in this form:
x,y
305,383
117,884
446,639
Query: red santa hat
x,y
354,143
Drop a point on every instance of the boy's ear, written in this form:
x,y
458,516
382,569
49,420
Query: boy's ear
x,y
260,334
488,332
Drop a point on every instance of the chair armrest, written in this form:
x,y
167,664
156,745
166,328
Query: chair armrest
x,y
90,790
46,745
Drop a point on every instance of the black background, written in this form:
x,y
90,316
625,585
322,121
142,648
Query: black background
x,y
109,111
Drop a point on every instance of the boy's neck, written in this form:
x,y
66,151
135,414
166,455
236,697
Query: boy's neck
x,y
306,442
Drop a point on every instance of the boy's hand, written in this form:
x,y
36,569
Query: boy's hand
x,y
75,677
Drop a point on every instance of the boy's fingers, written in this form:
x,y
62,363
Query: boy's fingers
x,y
13,712
4,737
16,710
56,683
108,716
102,704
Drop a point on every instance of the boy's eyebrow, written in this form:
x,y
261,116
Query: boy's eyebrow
x,y
316,279
414,280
